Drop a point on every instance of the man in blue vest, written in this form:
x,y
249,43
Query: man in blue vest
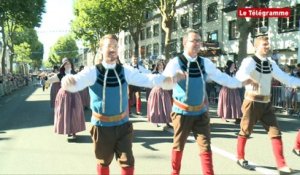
x,y
108,81
189,111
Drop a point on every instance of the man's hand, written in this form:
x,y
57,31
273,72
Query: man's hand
x,y
170,81
51,74
254,83
68,81
179,76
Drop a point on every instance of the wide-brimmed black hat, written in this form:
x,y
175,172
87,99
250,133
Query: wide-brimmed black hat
x,y
64,61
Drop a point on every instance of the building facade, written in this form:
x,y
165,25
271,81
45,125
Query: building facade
x,y
216,22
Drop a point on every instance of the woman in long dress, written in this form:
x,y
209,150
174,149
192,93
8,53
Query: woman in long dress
x,y
229,103
84,94
54,89
159,101
68,113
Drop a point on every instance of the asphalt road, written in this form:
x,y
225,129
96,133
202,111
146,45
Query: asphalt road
x,y
28,144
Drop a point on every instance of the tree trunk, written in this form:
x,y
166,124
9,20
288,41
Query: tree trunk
x,y
167,26
135,38
11,59
3,65
244,32
244,28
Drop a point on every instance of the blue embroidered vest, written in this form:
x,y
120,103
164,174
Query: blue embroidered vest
x,y
191,92
109,95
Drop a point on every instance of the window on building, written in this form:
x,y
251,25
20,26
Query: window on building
x,y
212,36
156,49
156,30
260,25
212,12
148,50
173,46
148,14
127,39
231,3
233,32
197,14
142,51
142,34
126,54
291,23
174,24
148,32
184,20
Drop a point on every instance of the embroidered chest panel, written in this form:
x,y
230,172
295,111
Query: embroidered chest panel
x,y
110,76
195,69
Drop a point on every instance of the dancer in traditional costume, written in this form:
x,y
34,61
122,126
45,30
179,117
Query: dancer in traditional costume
x,y
55,86
112,132
84,94
229,101
190,111
257,104
68,112
159,104
135,91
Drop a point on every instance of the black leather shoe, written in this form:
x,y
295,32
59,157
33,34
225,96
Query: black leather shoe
x,y
285,171
244,164
297,152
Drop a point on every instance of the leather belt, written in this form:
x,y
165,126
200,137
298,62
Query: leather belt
x,y
253,97
113,118
186,107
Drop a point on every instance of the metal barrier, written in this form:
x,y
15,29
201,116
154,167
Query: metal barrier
x,y
286,99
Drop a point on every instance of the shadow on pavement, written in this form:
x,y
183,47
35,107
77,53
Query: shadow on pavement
x,y
82,139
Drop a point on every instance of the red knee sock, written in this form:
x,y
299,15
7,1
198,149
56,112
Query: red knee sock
x,y
138,105
176,162
127,170
278,151
297,143
206,161
102,170
241,143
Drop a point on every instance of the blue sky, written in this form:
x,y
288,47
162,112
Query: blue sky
x,y
55,23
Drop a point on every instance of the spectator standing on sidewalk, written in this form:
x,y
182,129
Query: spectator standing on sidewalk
x,y
257,105
229,101
112,132
189,111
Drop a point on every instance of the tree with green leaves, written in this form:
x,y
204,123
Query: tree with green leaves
x,y
18,13
64,47
29,36
89,23
95,18
133,18
48,64
167,10
22,55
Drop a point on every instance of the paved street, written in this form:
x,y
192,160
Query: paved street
x,y
28,144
